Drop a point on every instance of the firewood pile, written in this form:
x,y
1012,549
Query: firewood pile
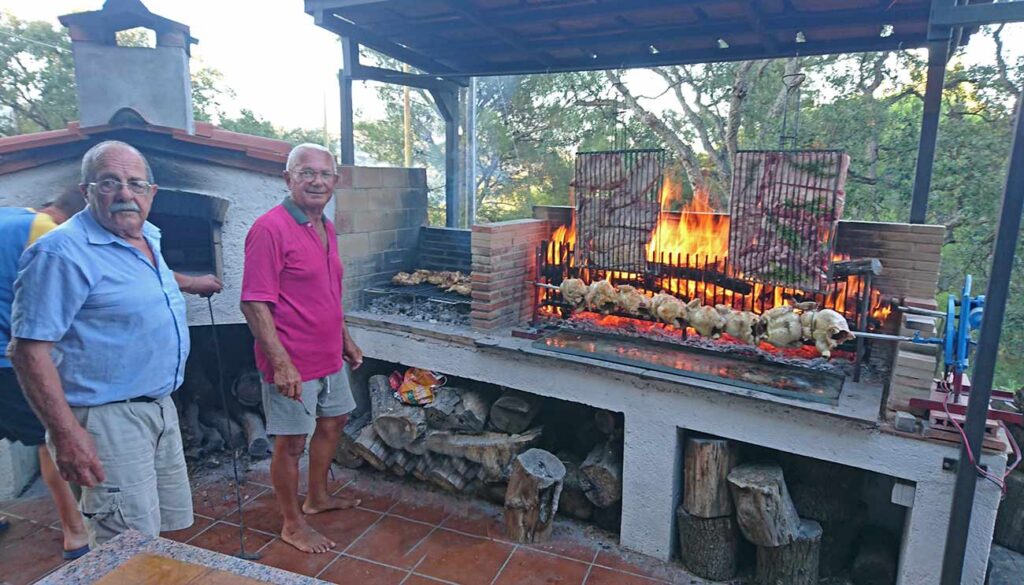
x,y
804,524
473,439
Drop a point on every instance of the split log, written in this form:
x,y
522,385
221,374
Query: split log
x,y
795,563
422,468
532,497
708,547
875,563
573,502
1010,519
191,432
247,389
419,446
255,434
609,518
764,510
602,474
397,424
442,408
471,414
400,463
213,441
706,468
371,448
514,411
447,476
216,418
858,267
346,454
494,451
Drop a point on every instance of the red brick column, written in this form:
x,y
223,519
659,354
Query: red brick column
x,y
504,266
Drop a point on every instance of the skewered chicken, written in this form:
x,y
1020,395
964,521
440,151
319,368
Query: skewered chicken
x,y
667,309
705,319
631,301
402,279
601,297
782,327
574,291
461,288
826,328
742,325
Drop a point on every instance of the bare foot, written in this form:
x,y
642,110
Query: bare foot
x,y
306,539
75,540
317,505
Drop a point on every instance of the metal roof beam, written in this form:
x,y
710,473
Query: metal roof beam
x,y
467,11
978,14
429,82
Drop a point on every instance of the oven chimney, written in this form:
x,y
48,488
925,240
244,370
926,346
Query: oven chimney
x,y
130,85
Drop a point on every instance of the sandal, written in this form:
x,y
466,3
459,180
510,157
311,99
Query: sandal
x,y
70,555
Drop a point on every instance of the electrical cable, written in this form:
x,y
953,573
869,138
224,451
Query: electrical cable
x,y
963,437
242,554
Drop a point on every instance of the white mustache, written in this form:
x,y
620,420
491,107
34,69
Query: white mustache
x,y
122,207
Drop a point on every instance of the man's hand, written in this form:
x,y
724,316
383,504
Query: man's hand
x,y
287,380
205,286
352,355
77,459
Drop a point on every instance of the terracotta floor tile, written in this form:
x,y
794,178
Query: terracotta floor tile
x,y
40,509
572,548
530,567
341,477
375,495
602,576
422,506
343,526
284,556
422,580
391,541
462,559
478,522
635,564
31,557
18,530
223,538
349,571
199,524
217,500
262,513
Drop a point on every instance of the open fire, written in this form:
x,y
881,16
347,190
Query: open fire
x,y
687,257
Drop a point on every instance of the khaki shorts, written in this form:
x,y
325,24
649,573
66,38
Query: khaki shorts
x,y
323,397
146,485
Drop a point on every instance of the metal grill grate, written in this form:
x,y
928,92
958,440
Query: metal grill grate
x,y
785,208
425,291
617,207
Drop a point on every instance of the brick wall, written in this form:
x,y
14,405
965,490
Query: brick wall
x,y
378,216
910,254
445,249
504,265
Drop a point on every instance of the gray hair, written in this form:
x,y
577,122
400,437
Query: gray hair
x,y
92,156
293,156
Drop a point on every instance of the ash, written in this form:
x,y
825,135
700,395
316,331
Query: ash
x,y
873,370
420,309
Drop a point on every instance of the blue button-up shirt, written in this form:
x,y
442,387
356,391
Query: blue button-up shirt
x,y
117,320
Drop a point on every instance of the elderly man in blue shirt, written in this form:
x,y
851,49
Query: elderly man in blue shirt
x,y
97,290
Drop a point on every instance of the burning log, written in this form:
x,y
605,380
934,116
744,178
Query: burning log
x,y
708,547
514,411
764,510
396,423
795,563
531,501
875,562
706,468
457,409
602,474
494,451
371,448
255,434
346,454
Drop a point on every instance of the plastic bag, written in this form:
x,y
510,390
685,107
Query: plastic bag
x,y
416,386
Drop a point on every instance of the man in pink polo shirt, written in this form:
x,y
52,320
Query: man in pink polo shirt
x,y
291,298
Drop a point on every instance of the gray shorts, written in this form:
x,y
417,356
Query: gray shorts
x,y
146,485
323,397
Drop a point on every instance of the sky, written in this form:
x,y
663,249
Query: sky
x,y
284,68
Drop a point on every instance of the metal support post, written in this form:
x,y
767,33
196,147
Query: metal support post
x,y
349,61
1007,234
938,51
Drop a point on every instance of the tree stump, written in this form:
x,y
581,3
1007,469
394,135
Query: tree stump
x,y
1010,519
795,563
371,448
397,424
514,411
532,497
875,562
764,510
706,468
708,547
601,474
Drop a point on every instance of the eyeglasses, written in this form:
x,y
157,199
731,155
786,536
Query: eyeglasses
x,y
309,175
111,186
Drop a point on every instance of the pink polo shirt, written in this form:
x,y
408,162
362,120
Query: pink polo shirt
x,y
286,266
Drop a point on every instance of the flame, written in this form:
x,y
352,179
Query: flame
x,y
696,231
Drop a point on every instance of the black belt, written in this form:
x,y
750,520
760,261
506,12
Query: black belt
x,y
142,399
